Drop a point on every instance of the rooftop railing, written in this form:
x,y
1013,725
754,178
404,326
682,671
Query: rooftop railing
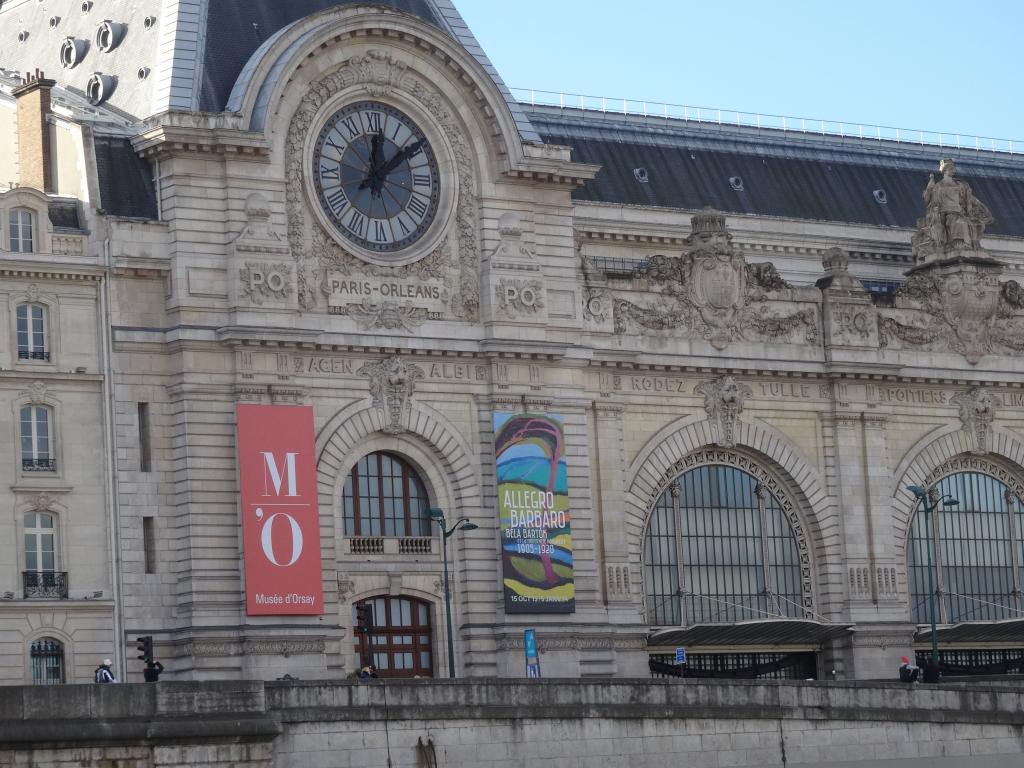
x,y
757,120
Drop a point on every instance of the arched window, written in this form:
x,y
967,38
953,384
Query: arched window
x,y
20,228
384,496
976,549
401,642
31,322
719,548
36,450
47,657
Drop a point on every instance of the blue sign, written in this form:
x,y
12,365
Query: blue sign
x,y
530,648
680,655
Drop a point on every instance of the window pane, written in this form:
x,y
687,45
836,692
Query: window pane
x,y
969,548
383,497
739,553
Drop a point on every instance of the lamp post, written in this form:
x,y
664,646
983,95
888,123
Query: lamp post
x,y
462,524
947,501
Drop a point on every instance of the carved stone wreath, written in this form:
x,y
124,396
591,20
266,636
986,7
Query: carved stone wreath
x,y
378,73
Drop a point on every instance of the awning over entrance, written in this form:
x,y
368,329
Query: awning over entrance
x,y
782,632
1008,631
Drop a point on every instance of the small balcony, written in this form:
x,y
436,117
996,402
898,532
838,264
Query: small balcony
x,y
390,545
34,354
38,465
49,585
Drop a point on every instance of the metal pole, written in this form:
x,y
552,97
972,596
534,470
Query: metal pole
x,y
448,603
931,579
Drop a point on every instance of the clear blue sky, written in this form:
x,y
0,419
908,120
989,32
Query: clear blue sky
x,y
933,65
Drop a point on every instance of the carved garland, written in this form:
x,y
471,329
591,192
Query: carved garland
x,y
324,251
769,482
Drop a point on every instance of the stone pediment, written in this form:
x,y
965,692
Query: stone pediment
x,y
710,292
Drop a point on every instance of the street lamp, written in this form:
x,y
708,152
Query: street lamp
x,y
462,524
947,501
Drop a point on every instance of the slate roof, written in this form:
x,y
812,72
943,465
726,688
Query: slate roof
x,y
690,165
236,28
125,179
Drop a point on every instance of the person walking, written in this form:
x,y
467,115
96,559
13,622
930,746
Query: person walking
x,y
103,672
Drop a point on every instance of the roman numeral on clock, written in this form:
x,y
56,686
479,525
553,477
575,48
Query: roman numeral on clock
x,y
337,202
357,224
330,174
373,121
421,180
380,233
417,206
351,126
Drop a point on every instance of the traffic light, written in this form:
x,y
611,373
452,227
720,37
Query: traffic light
x,y
145,648
364,617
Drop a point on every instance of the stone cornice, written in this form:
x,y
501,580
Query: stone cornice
x,y
49,270
174,133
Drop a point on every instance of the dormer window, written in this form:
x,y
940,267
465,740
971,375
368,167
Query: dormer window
x,y
20,228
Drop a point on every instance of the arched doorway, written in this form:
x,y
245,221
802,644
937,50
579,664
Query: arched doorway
x,y
721,554
976,551
400,644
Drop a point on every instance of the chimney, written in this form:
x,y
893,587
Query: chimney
x,y
34,158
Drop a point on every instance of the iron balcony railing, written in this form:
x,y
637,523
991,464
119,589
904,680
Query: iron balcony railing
x,y
38,465
758,121
33,354
46,584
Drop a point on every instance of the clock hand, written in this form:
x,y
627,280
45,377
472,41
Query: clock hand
x,y
373,178
399,157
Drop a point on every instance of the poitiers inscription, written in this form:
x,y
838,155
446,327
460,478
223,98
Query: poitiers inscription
x,y
931,396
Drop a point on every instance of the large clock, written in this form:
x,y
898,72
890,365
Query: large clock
x,y
376,176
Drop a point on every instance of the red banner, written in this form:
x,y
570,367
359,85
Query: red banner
x,y
280,514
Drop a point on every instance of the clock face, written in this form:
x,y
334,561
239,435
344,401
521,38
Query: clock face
x,y
376,176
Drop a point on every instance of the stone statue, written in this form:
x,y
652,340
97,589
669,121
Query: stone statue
x,y
954,219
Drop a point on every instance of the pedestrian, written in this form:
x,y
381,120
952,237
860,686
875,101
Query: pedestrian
x,y
367,672
151,673
103,673
909,673
930,673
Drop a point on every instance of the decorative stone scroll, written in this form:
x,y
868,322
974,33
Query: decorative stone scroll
x,y
392,382
37,393
723,403
711,292
977,409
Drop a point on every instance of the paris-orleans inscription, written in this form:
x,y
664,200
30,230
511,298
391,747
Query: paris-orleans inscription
x,y
345,291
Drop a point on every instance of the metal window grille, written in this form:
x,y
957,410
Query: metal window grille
x,y
976,549
47,656
720,549
761,666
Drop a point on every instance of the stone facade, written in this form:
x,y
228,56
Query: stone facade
x,y
713,346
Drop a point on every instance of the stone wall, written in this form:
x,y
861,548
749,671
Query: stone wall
x,y
511,723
